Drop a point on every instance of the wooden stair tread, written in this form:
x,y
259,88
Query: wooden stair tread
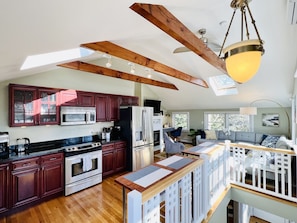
x,y
254,219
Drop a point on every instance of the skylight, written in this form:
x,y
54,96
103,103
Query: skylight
x,y
223,85
55,57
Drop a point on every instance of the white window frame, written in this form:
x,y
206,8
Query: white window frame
x,y
251,118
188,120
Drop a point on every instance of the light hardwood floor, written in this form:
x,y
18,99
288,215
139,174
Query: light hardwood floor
x,y
101,203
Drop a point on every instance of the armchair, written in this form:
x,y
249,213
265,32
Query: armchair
x,y
172,147
176,133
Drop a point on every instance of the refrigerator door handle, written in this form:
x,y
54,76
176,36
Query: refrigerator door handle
x,y
143,126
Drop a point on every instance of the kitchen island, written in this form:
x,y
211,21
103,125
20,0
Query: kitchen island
x,y
157,177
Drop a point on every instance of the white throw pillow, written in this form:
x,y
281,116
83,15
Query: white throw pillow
x,y
210,134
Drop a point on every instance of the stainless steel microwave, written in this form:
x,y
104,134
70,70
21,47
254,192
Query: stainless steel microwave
x,y
74,115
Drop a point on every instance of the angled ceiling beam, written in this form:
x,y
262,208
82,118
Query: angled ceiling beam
x,y
118,51
91,68
162,18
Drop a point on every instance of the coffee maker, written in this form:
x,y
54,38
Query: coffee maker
x,y
4,145
115,133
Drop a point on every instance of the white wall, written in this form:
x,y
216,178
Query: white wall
x,y
268,216
197,117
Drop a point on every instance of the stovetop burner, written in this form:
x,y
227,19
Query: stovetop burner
x,y
81,148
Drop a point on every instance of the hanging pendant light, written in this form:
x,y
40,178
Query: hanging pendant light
x,y
243,59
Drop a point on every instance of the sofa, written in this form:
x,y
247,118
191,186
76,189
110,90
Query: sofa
x,y
251,138
271,141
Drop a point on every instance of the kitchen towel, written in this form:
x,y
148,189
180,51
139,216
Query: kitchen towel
x,y
87,163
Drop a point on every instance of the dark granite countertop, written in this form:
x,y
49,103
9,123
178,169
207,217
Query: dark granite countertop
x,y
45,149
14,156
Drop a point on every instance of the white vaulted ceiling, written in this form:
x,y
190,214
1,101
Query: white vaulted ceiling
x,y
36,27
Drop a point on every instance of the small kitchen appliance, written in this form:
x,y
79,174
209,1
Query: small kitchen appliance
x,y
115,133
22,145
4,145
75,115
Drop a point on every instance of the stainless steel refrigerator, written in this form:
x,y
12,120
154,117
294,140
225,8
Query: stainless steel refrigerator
x,y
136,125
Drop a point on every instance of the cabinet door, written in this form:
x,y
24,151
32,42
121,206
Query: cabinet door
x,y
129,100
120,158
68,97
114,108
22,107
86,99
4,168
25,186
49,112
25,181
52,174
108,165
101,108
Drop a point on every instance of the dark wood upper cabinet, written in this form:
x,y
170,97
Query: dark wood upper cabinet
x,y
68,97
114,108
32,106
129,101
107,107
48,106
101,102
86,99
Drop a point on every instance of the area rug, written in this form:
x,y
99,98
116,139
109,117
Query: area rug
x,y
162,155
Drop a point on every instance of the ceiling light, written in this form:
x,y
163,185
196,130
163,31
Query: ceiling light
x,y
243,58
148,71
248,110
132,67
108,64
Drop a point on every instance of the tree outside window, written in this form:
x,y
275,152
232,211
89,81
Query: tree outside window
x,y
227,121
181,119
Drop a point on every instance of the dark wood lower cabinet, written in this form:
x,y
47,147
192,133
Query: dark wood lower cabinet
x,y
4,169
52,174
113,158
108,152
120,156
25,184
30,180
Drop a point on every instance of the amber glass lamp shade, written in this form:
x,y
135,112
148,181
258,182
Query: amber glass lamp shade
x,y
243,59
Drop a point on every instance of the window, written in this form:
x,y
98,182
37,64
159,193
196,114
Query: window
x,y
181,119
232,121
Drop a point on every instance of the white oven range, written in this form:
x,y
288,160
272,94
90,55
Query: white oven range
x,y
83,166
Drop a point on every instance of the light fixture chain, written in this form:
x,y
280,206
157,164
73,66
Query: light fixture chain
x,y
246,24
254,24
227,32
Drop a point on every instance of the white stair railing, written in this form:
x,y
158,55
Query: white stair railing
x,y
263,169
191,196
179,202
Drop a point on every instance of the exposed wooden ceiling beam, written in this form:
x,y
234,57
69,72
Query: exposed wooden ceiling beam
x,y
162,18
118,51
82,66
